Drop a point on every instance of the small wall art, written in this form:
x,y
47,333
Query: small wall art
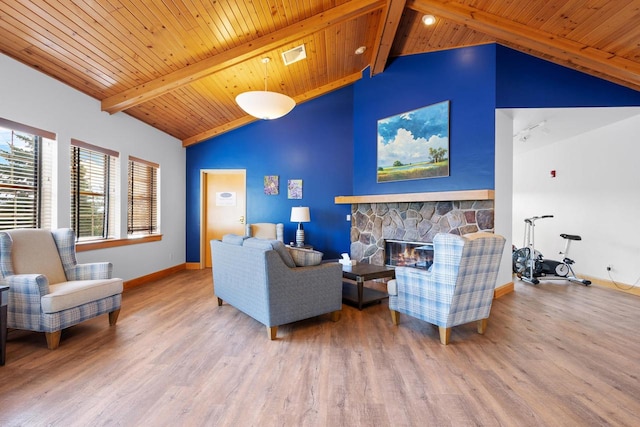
x,y
414,145
294,189
271,185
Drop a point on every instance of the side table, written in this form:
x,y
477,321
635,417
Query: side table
x,y
359,295
4,297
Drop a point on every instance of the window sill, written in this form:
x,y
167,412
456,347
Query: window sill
x,y
113,243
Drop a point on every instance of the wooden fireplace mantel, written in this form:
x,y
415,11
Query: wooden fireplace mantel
x,y
439,196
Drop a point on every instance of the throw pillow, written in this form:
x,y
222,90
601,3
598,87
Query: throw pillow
x,y
284,253
276,245
305,257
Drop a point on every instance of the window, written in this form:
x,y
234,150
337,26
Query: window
x,y
25,176
142,202
93,177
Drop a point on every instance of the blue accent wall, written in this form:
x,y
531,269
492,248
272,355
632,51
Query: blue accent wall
x,y
465,77
524,81
313,143
330,142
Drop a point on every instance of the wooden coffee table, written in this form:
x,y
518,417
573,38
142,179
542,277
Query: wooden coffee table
x,y
358,294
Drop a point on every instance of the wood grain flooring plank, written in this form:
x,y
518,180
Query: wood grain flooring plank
x,y
556,354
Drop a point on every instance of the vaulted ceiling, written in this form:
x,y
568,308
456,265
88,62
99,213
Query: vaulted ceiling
x,y
179,64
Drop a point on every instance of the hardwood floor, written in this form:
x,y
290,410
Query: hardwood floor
x,y
553,355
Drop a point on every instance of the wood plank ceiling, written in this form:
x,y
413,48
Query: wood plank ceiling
x,y
179,64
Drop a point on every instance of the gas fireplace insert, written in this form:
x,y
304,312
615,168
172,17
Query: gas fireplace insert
x,y
400,253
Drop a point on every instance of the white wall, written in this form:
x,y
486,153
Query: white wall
x,y
34,99
596,194
504,191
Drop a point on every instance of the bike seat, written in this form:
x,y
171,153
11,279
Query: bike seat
x,y
570,237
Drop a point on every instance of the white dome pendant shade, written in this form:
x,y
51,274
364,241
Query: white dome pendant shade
x,y
264,104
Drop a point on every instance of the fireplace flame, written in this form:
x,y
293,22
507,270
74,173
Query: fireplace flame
x,y
408,254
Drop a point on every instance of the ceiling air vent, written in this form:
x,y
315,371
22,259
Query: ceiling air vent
x,y
294,55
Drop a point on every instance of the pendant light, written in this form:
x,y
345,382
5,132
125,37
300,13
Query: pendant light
x,y
264,104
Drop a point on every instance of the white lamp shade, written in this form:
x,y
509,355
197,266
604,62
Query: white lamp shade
x,y
264,104
300,214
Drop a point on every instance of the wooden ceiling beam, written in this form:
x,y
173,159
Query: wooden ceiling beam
x,y
234,56
387,33
307,96
563,50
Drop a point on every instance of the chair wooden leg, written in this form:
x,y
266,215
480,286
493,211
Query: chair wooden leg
x,y
219,302
335,315
113,317
395,317
482,326
53,339
445,334
272,331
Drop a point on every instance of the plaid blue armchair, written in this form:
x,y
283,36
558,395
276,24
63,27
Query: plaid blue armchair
x,y
49,291
457,289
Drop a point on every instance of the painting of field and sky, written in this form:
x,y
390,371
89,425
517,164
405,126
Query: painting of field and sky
x,y
415,144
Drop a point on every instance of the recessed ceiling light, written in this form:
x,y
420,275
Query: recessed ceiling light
x,y
428,19
360,50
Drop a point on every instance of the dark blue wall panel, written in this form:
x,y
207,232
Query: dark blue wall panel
x,y
465,77
313,143
524,81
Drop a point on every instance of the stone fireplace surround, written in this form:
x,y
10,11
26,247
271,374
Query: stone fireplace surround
x,y
415,217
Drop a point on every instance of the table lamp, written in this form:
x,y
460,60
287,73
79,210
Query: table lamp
x,y
300,214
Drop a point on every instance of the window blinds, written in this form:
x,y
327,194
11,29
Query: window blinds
x,y
142,209
92,181
25,190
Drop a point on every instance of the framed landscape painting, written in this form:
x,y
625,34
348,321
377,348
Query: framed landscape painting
x,y
414,145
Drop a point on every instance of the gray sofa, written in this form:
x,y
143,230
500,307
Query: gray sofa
x,y
259,278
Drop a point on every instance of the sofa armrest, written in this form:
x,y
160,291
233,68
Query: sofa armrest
x,y
321,276
302,292
90,271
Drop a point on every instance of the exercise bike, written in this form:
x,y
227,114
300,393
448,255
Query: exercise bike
x,y
529,264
